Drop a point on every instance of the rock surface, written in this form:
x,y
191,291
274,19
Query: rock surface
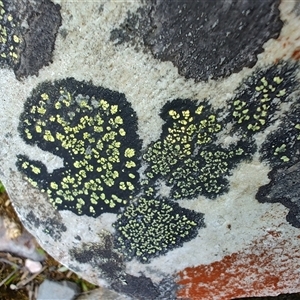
x,y
148,167
63,290
12,239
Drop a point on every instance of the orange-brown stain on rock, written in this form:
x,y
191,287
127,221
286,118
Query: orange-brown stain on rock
x,y
269,266
296,54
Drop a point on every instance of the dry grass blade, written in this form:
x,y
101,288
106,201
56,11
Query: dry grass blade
x,y
22,283
9,262
8,277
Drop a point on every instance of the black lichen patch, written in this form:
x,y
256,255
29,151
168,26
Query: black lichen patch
x,y
11,42
28,32
260,96
284,188
138,287
150,227
102,257
282,147
134,27
52,226
94,130
186,156
204,39
77,237
43,20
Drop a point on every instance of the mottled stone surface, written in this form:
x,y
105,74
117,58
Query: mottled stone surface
x,y
144,178
203,39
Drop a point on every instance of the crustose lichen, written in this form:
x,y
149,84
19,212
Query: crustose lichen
x,y
94,130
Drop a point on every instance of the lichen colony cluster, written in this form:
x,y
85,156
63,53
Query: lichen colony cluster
x,y
94,130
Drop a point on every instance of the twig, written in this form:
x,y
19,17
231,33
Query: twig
x,y
24,282
30,289
2,268
9,262
9,276
36,289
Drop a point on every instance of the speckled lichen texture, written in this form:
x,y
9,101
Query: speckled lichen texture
x,y
132,159
28,32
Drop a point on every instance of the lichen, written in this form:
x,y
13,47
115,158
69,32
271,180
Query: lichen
x,y
187,156
102,256
150,227
283,188
260,96
203,39
94,130
22,46
10,37
281,147
281,151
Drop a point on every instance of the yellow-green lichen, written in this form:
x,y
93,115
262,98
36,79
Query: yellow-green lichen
x,y
10,38
186,156
281,147
150,227
260,96
100,172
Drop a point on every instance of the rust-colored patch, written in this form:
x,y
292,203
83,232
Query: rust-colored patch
x,y
296,54
268,267
274,233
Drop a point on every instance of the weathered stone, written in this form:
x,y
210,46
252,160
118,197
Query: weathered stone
x,y
143,181
15,241
64,290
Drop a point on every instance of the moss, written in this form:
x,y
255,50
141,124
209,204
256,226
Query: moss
x,y
94,130
259,97
2,188
187,157
150,227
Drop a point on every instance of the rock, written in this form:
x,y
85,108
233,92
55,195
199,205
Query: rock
x,y
33,266
64,290
13,240
137,162
102,293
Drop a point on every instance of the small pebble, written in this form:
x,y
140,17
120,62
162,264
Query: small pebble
x,y
33,266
